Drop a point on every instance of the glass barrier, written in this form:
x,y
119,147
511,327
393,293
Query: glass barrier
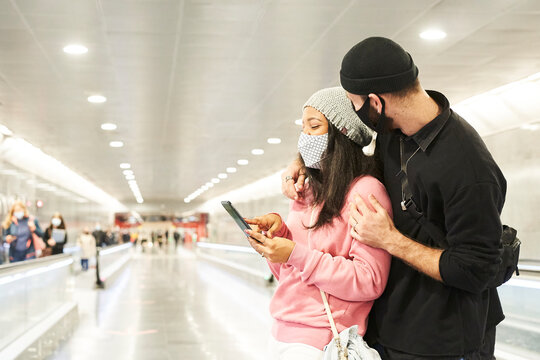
x,y
113,257
31,290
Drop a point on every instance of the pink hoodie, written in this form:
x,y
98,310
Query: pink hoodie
x,y
352,274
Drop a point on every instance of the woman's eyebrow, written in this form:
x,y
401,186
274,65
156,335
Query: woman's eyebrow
x,y
313,118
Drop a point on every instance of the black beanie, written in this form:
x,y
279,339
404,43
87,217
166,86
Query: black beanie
x,y
377,65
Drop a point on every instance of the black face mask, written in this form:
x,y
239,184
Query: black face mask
x,y
381,123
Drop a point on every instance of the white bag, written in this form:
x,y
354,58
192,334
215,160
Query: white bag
x,y
348,344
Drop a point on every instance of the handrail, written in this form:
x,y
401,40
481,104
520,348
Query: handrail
x,y
226,247
34,263
14,272
114,248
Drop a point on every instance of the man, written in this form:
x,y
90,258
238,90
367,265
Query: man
x,y
438,303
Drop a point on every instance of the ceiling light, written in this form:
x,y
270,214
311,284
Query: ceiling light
x,y
242,162
257,151
274,140
433,34
204,187
222,176
215,180
231,170
209,184
108,126
97,99
298,122
5,131
116,144
127,172
531,127
132,182
130,177
125,166
140,201
187,200
75,49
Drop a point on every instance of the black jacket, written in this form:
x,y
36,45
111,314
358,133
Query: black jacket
x,y
457,184
57,248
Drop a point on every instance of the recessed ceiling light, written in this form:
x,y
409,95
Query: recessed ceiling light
x,y
97,99
433,34
204,187
132,182
215,180
231,170
108,126
242,162
209,184
257,151
298,122
116,144
274,140
127,172
187,200
125,166
140,201
5,131
222,176
130,177
75,49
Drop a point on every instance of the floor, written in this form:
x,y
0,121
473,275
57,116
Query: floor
x,y
173,306
167,306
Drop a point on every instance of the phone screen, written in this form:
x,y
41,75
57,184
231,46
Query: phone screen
x,y
236,216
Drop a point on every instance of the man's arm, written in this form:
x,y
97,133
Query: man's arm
x,y
376,229
473,234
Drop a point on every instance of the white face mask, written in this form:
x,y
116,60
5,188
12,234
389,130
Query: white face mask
x,y
19,214
56,221
311,148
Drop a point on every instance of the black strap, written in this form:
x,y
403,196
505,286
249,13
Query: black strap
x,y
408,204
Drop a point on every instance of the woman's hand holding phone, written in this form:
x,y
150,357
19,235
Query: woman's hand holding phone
x,y
269,223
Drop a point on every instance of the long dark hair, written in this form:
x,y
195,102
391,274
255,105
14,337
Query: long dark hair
x,y
342,162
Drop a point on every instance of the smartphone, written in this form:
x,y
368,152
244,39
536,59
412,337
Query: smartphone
x,y
236,216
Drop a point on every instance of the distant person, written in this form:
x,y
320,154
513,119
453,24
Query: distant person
x,y
125,236
447,194
23,234
99,235
176,236
87,244
315,251
55,236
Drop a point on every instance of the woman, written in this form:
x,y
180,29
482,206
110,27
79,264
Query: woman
x,y
23,233
314,250
55,236
87,243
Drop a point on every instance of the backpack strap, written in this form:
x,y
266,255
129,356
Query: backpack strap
x,y
408,204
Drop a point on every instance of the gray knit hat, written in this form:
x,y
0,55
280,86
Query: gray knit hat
x,y
338,109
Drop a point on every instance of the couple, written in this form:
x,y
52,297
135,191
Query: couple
x,y
358,241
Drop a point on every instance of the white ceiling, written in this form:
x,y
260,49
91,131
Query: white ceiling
x,y
195,85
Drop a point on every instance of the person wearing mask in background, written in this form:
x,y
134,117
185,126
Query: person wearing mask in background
x,y
87,244
55,236
23,234
314,251
440,302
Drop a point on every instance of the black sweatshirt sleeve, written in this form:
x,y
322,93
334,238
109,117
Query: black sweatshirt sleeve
x,y
472,219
